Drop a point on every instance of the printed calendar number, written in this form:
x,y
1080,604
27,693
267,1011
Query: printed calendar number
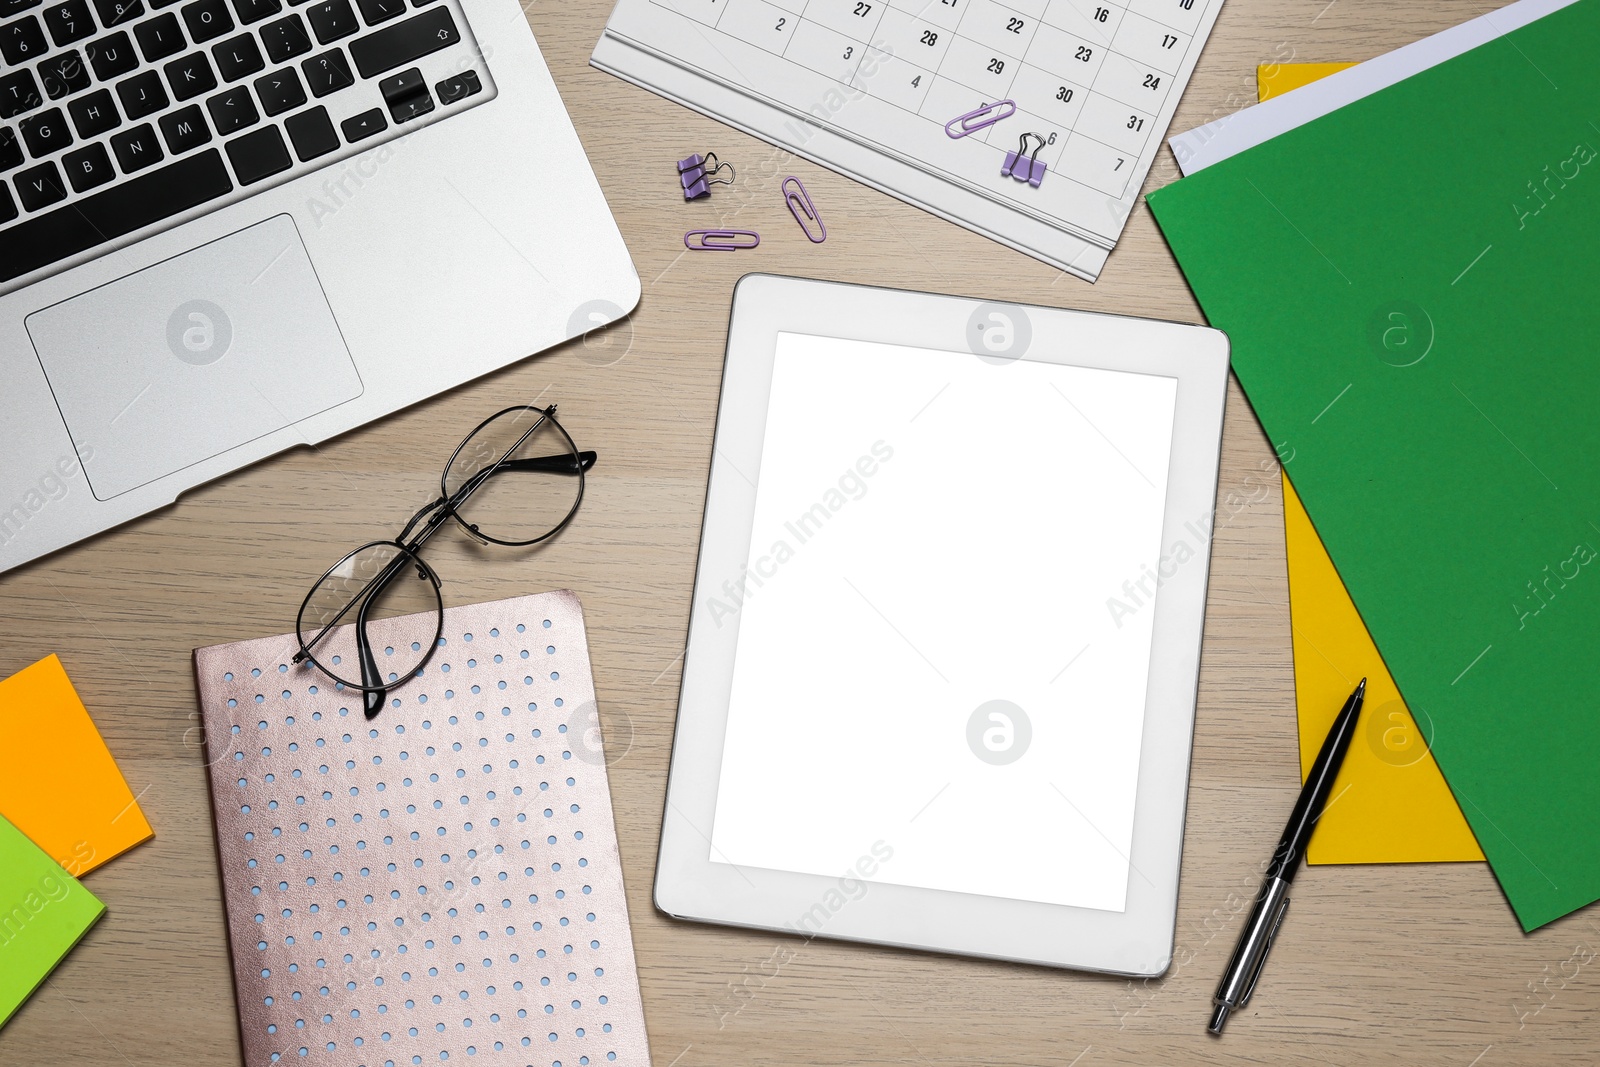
x,y
1152,45
758,23
884,74
1083,54
1096,165
929,38
855,19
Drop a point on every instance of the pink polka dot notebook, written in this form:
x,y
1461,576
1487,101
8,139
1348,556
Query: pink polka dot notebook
x,y
440,884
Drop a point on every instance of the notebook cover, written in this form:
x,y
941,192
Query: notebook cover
x,y
442,882
58,782
44,911
1403,283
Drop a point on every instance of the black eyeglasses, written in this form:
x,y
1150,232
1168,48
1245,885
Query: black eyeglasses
x,y
515,480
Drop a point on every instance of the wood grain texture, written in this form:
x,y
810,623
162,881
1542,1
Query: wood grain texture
x,y
1408,964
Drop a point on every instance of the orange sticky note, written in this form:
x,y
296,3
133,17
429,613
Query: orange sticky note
x,y
58,782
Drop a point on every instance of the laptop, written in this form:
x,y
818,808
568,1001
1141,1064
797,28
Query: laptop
x,y
229,227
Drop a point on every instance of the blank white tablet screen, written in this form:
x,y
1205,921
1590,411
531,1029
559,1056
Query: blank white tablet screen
x,y
944,626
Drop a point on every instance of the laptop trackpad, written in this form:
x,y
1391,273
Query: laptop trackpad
x,y
201,353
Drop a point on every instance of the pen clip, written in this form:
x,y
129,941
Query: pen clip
x,y
1261,963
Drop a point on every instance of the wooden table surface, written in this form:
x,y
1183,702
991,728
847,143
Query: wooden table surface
x,y
1418,964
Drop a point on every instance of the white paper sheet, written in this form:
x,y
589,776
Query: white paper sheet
x,y
1228,136
867,86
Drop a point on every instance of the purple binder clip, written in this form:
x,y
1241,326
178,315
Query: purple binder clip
x,y
699,173
803,210
981,118
1023,165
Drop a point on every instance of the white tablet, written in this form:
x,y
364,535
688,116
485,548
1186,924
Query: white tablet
x,y
940,681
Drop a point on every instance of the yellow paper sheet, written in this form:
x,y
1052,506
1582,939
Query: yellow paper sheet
x,y
1389,804
1275,79
58,782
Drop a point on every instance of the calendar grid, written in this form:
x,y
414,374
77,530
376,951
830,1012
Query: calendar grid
x,y
935,59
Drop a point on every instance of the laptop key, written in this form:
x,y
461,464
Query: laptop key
x,y
406,94
111,213
285,39
137,148
376,11
459,87
22,41
45,132
259,155
233,110
94,114
111,56
88,168
367,124
68,22
19,94
116,12
13,7
280,91
190,76
238,57
62,74
142,94
8,206
10,150
404,42
207,20
39,187
253,11
159,37
327,73
312,133
185,130
332,19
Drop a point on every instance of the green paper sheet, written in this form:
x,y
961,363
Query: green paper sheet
x,y
1412,288
44,911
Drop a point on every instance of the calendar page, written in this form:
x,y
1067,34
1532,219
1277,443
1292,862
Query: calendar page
x,y
867,87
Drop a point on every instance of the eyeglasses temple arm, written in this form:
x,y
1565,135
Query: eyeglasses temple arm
x,y
561,464
371,680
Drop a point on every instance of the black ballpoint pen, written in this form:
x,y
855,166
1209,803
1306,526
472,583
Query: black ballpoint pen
x,y
1255,941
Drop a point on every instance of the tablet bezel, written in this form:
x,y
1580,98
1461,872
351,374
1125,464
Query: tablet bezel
x,y
691,885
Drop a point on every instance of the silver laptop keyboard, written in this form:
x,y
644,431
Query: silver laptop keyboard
x,y
119,117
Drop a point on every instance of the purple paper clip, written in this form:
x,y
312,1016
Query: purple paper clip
x,y
799,202
1023,165
980,119
697,179
720,240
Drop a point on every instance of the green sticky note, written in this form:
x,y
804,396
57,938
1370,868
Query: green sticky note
x,y
44,911
1410,287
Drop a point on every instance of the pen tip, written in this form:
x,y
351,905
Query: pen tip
x,y
1218,1017
1361,690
